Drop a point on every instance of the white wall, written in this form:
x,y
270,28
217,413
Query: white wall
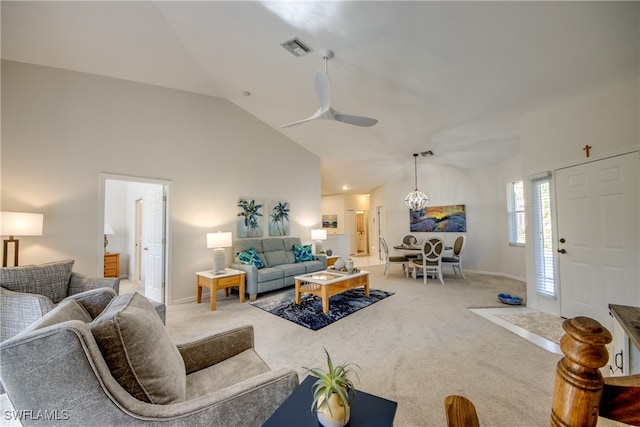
x,y
608,120
62,129
334,205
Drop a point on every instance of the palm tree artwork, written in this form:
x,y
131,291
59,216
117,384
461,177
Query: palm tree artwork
x,y
279,220
249,218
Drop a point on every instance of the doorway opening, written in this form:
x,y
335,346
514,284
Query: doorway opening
x,y
138,211
362,241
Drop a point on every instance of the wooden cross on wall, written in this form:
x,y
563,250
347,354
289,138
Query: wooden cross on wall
x,y
586,149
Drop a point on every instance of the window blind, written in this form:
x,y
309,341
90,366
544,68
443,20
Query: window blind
x,y
543,213
515,197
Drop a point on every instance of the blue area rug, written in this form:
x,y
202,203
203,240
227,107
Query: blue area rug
x,y
309,312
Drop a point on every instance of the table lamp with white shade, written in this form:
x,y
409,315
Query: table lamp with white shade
x,y
218,241
18,224
319,235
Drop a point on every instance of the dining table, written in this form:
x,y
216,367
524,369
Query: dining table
x,y
415,248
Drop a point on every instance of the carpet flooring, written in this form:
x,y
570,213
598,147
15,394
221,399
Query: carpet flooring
x,y
415,347
309,312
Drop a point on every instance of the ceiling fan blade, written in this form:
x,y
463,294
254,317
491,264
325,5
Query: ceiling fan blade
x,y
316,115
354,120
323,89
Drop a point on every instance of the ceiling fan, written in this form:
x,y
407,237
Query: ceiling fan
x,y
325,112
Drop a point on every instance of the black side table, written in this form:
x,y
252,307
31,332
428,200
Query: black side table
x,y
366,409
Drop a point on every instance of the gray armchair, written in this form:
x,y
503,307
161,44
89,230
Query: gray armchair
x,y
29,292
122,368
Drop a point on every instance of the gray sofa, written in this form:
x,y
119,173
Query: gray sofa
x,y
281,266
123,369
29,292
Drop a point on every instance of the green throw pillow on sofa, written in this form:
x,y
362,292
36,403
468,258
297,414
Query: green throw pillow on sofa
x,y
302,253
251,257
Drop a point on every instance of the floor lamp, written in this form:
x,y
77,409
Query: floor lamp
x,y
18,224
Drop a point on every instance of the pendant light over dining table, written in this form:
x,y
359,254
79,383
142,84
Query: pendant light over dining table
x,y
416,200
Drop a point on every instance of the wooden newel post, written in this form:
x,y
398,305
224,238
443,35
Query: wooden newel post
x,y
579,383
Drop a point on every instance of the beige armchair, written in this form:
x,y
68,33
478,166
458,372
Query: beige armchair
x,y
122,368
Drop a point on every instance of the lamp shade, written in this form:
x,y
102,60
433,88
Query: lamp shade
x,y
319,234
219,240
20,224
108,229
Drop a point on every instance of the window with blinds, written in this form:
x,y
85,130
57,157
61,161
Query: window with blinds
x,y
515,213
542,214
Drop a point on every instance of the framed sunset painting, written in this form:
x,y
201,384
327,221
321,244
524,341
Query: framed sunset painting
x,y
450,218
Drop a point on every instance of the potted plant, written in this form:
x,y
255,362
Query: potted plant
x,y
333,393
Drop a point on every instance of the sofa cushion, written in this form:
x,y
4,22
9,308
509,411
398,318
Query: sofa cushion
x,y
66,310
243,366
288,243
139,351
291,269
272,245
251,257
276,258
313,266
50,279
303,253
267,274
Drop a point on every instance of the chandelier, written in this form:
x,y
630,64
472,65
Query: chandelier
x,y
416,200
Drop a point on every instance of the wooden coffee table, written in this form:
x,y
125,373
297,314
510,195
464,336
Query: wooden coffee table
x,y
325,284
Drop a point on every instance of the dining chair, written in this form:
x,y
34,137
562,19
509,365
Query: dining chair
x,y
431,262
409,240
455,261
392,259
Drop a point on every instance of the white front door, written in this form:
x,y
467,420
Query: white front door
x,y
153,247
597,209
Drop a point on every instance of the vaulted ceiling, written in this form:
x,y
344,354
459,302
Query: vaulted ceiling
x,y
451,77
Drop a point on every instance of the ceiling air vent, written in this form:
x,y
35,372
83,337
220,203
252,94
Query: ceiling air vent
x,y
296,47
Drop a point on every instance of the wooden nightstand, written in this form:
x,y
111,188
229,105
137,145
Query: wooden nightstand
x,y
112,265
215,282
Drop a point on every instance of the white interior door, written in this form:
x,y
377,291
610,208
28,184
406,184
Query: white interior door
x,y
597,209
153,247
137,247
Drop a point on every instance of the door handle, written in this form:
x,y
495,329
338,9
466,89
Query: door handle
x,y
562,251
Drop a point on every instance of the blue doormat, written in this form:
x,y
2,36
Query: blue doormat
x,y
309,312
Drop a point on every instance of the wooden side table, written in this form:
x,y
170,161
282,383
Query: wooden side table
x,y
216,282
331,260
112,265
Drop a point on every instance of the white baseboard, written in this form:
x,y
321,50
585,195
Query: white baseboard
x,y
492,273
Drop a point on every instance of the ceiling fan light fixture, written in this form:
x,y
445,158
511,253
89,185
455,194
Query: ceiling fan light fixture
x,y
323,92
416,200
